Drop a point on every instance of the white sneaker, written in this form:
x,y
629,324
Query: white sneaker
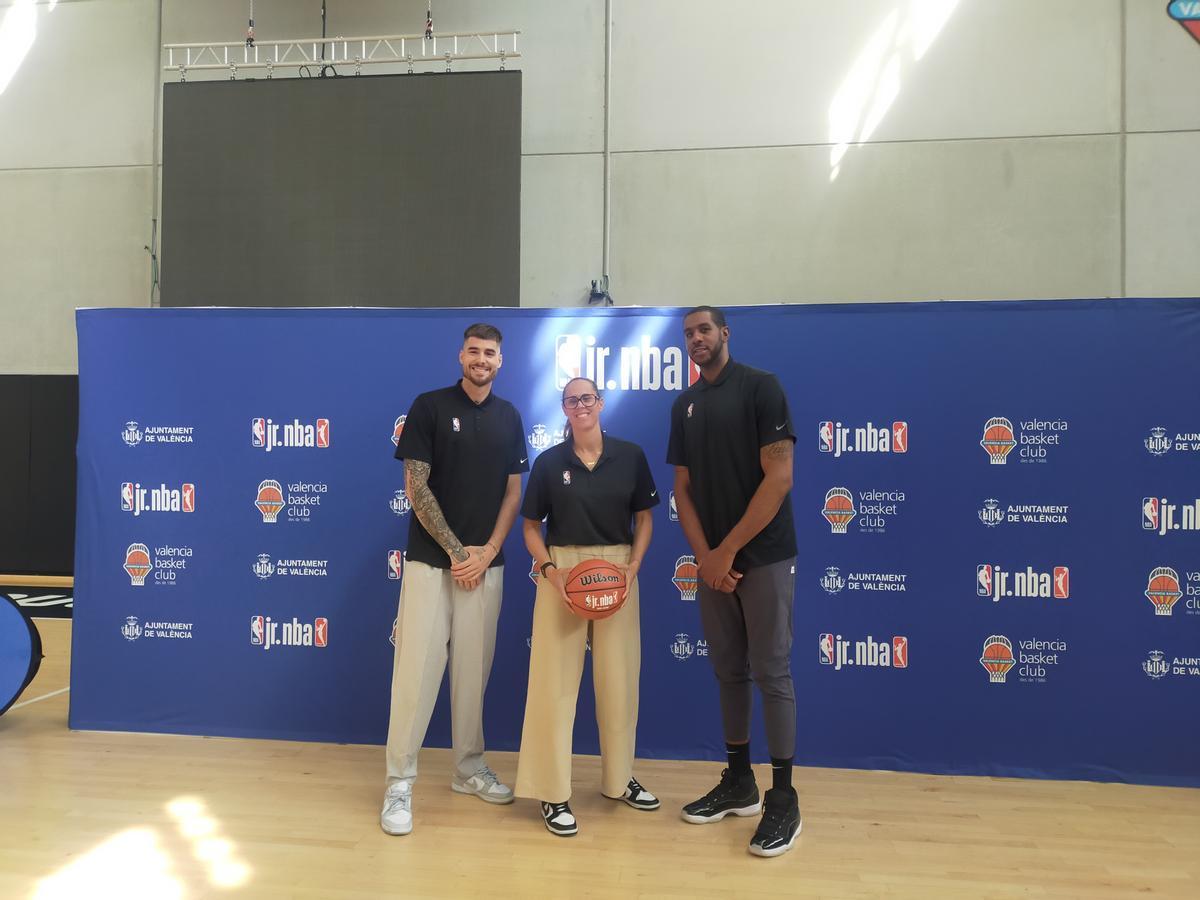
x,y
483,784
396,817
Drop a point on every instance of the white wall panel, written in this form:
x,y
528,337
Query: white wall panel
x,y
1163,70
952,220
78,242
1163,215
82,93
706,73
561,228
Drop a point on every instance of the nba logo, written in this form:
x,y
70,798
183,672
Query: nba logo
x,y
321,632
394,565
455,424
258,432
1062,582
322,432
899,652
825,431
566,476
983,581
256,630
1150,513
189,498
672,509
127,496
568,358
826,645
899,437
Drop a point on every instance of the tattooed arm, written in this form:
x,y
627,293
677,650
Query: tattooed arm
x,y
776,461
427,511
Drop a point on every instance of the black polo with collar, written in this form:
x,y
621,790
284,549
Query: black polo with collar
x,y
717,431
589,507
471,449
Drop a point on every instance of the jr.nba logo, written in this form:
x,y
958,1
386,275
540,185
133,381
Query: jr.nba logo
x,y
899,437
322,432
825,437
983,581
127,496
1062,582
256,630
899,652
1149,513
189,498
258,432
826,649
321,632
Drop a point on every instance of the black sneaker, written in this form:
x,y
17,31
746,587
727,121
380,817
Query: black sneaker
x,y
780,824
559,819
637,796
736,794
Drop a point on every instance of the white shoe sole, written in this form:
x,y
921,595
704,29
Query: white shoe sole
x,y
778,851
640,806
574,831
398,832
754,810
501,801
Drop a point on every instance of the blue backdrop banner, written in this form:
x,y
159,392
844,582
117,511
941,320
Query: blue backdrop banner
x,y
997,507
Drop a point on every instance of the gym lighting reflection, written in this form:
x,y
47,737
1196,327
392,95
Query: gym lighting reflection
x,y
131,865
225,870
874,80
18,29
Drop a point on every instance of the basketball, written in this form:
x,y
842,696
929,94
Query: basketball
x,y
596,589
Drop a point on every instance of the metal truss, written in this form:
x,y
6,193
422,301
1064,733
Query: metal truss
x,y
233,56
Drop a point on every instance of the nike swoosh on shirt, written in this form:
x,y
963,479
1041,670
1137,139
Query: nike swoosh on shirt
x,y
653,493
522,461
780,427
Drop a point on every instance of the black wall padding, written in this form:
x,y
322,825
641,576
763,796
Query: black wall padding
x,y
389,190
37,473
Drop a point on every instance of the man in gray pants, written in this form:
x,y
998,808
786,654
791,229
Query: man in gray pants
x,y
731,444
464,451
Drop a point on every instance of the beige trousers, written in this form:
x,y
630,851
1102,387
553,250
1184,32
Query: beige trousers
x,y
438,620
555,669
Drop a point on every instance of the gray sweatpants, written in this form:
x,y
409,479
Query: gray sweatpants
x,y
749,634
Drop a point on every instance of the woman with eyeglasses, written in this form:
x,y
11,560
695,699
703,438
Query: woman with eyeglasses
x,y
594,493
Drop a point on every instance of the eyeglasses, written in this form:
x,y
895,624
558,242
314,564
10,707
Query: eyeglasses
x,y
587,401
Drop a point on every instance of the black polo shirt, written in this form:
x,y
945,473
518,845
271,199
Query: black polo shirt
x,y
593,507
717,431
472,449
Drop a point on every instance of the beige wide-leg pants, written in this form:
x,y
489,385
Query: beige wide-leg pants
x,y
555,669
438,620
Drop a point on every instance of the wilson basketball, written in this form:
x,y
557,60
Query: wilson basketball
x,y
595,588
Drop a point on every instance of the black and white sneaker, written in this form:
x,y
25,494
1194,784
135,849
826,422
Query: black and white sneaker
x,y
780,824
637,796
735,795
559,819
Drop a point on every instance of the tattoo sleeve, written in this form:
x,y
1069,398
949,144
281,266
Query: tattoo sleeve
x,y
426,509
779,449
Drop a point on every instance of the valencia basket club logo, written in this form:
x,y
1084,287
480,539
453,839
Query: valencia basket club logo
x,y
1187,14
269,500
397,430
998,440
686,577
1162,590
137,564
838,509
997,658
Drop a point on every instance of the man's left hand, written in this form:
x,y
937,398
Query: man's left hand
x,y
470,571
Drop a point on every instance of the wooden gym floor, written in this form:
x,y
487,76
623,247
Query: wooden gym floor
x,y
85,814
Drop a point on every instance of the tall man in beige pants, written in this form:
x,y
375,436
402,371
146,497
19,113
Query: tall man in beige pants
x,y
464,451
